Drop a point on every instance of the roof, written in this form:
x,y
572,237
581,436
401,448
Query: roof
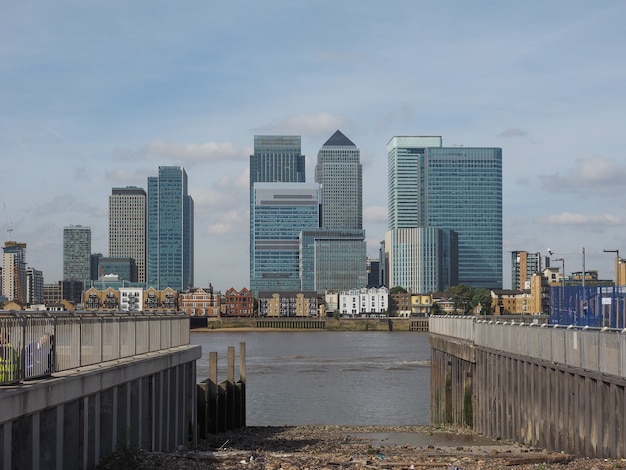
x,y
339,140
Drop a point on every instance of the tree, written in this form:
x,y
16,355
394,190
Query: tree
x,y
461,296
482,297
398,290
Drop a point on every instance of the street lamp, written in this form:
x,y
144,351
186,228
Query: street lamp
x,y
583,278
550,252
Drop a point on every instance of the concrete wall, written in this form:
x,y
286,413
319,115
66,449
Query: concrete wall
x,y
72,420
527,400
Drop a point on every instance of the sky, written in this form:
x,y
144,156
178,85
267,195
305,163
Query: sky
x,y
99,94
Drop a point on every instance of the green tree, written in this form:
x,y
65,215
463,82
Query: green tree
x,y
482,297
461,296
398,290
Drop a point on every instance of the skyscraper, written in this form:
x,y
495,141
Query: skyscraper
x,y
333,257
340,174
76,253
451,188
422,259
127,226
280,212
14,281
276,159
170,230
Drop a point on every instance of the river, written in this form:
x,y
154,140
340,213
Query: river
x,y
328,377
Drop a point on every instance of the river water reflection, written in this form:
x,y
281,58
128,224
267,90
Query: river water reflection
x,y
328,377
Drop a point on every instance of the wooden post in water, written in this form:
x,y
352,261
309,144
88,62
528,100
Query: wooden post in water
x,y
230,389
212,418
242,385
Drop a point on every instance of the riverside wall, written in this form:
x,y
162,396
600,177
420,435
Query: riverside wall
x,y
77,416
529,400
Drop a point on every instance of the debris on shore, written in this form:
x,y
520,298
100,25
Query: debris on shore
x,y
361,447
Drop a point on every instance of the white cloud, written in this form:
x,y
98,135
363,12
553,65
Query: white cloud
x,y
312,125
194,153
569,218
375,214
601,175
230,222
513,132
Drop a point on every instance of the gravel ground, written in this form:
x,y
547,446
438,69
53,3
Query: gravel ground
x,y
351,447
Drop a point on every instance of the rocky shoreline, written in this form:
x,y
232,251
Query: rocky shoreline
x,y
357,447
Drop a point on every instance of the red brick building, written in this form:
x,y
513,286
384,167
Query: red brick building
x,y
237,303
200,302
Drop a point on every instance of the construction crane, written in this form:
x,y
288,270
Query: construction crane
x,y
9,222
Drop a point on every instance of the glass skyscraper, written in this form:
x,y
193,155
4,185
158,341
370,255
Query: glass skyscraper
x,y
76,253
280,212
170,230
453,188
276,159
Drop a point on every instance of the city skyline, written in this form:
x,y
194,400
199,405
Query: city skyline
x,y
96,96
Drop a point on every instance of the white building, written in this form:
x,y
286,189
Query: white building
x,y
131,299
373,301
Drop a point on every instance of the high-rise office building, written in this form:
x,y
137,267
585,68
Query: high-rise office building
x,y
421,259
14,281
332,259
276,159
170,230
340,175
280,212
127,226
34,286
451,188
76,253
524,265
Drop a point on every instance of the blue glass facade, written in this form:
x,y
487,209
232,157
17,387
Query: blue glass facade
x,y
451,188
276,159
333,260
464,187
170,230
280,212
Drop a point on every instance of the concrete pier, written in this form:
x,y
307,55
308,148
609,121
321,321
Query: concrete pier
x,y
562,389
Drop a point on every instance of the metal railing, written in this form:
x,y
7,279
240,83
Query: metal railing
x,y
595,349
37,344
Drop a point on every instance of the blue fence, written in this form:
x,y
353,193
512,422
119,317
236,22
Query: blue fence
x,y
593,306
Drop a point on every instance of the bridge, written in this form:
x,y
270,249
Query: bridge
x,y
75,387
557,387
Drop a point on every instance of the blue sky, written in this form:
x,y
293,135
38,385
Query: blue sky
x,y
95,95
